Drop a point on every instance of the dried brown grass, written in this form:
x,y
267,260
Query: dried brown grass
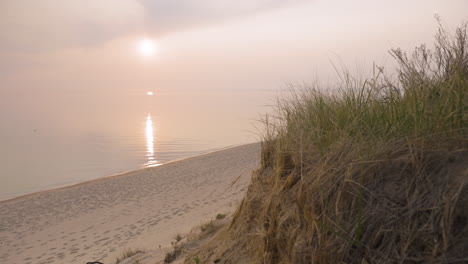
x,y
375,174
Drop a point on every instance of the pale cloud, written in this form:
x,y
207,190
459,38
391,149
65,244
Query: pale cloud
x,y
29,25
163,15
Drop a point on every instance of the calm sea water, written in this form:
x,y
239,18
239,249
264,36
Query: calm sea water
x,y
41,163
59,139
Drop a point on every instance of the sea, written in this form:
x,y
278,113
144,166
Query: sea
x,y
52,139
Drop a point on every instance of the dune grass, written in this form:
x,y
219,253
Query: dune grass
x,y
371,171
370,164
372,158
428,99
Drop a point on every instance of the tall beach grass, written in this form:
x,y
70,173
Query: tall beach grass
x,y
371,171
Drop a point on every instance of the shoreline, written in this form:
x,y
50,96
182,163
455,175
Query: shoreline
x,y
143,209
117,174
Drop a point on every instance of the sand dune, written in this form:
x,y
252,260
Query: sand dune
x,y
143,209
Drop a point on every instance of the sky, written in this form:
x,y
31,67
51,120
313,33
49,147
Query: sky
x,y
54,24
76,63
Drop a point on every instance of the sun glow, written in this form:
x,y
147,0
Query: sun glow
x,y
147,47
149,93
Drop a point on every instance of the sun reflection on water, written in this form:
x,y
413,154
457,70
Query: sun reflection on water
x,y
151,161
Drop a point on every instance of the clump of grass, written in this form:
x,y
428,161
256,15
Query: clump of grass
x,y
177,251
429,98
369,163
371,171
178,237
127,253
207,226
220,216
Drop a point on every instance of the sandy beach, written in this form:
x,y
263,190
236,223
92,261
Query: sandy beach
x,y
144,209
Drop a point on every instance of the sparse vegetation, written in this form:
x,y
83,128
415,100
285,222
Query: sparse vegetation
x,y
192,242
177,250
127,253
207,226
373,172
178,237
174,254
220,216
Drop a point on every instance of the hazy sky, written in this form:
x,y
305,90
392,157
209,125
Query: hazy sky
x,y
34,33
28,25
76,62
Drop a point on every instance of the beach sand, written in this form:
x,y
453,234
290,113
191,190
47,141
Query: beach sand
x,y
144,209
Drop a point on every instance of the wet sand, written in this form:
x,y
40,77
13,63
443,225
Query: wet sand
x,y
144,209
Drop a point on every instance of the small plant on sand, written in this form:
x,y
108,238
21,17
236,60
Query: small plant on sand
x,y
220,216
197,260
178,237
127,254
174,254
207,226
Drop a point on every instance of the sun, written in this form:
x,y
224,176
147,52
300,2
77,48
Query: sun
x,y
146,47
